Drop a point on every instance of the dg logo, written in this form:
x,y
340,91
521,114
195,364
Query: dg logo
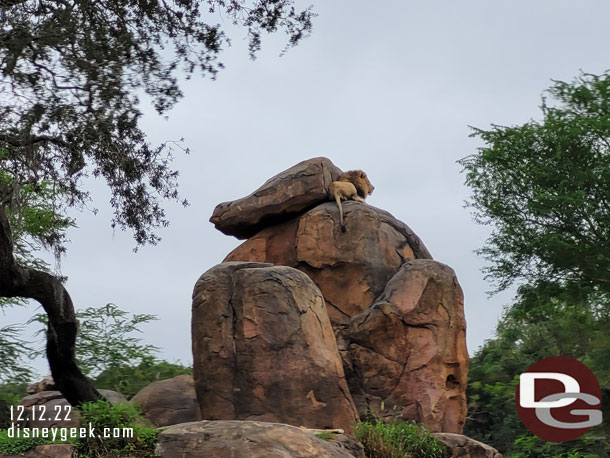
x,y
559,399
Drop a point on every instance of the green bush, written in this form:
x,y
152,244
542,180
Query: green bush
x,y
101,415
398,440
12,392
128,380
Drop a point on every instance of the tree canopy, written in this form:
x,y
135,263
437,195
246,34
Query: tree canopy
x,y
71,76
71,73
544,186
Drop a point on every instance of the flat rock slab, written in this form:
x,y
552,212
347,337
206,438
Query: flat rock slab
x,y
244,439
287,194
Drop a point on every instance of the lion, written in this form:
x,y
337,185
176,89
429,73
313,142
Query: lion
x,y
353,185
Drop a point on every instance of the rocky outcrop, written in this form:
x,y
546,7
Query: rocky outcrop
x,y
244,439
351,269
408,356
397,314
264,349
169,402
279,198
464,447
46,451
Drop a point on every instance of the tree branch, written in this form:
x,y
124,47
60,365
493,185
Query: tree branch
x,y
19,281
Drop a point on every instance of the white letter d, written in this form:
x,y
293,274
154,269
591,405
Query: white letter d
x,y
527,382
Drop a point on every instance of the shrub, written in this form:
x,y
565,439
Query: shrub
x,y
105,416
398,440
128,380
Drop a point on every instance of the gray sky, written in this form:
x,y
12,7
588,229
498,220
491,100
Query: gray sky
x,y
390,90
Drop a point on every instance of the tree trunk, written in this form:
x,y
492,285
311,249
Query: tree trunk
x,y
19,281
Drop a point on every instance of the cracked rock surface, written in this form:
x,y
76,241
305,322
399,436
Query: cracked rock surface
x,y
247,439
264,349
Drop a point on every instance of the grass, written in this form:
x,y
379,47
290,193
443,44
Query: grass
x,y
326,436
398,440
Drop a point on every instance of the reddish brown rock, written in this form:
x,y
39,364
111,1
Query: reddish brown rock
x,y
408,351
351,268
169,402
465,447
244,439
264,349
287,194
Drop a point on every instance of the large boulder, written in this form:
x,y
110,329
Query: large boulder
x,y
464,447
244,439
287,194
352,268
169,402
264,349
408,356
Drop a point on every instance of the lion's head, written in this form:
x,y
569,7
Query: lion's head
x,y
360,181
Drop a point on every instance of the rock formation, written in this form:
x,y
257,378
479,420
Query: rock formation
x,y
169,402
397,314
245,439
264,349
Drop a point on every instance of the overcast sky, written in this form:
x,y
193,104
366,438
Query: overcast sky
x,y
388,87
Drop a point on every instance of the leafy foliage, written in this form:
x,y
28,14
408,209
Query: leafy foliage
x,y
13,354
105,340
398,440
102,414
128,380
70,75
36,222
545,187
11,392
538,325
